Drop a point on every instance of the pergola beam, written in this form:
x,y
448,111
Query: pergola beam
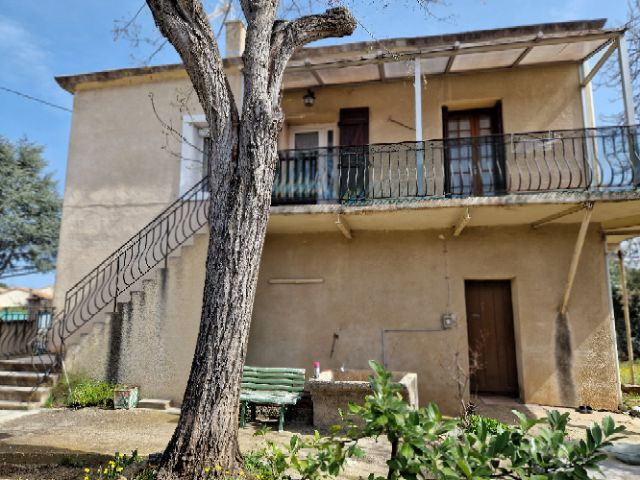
x,y
454,50
625,77
462,223
596,68
556,216
630,232
344,227
575,259
522,56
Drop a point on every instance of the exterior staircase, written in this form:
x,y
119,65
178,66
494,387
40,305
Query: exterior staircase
x,y
100,312
25,383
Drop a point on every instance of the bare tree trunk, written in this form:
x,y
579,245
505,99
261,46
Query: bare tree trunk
x,y
242,170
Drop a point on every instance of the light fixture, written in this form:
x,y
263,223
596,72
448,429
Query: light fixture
x,y
309,98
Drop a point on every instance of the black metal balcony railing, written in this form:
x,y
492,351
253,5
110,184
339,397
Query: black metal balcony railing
x,y
564,160
24,329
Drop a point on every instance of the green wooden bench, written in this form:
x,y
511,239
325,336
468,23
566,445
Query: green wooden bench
x,y
281,387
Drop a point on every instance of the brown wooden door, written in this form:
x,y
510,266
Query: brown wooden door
x,y
354,150
474,151
491,337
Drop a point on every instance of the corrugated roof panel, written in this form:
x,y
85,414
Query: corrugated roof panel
x,y
485,60
363,73
299,80
562,52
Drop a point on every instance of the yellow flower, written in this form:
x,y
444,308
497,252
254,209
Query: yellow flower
x,y
106,470
241,473
207,469
218,467
227,472
119,469
86,477
86,470
121,455
259,477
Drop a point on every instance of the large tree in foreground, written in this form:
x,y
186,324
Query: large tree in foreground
x,y
243,165
29,210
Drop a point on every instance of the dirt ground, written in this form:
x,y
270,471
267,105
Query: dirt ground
x,y
58,443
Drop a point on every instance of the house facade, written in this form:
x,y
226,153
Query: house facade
x,y
442,204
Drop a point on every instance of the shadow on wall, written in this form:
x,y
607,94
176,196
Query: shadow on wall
x,y
563,357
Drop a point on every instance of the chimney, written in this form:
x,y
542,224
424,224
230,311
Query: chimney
x,y
235,34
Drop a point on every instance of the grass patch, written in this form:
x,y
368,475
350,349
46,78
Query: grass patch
x,y
81,392
625,371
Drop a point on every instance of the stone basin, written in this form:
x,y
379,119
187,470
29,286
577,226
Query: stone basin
x,y
335,389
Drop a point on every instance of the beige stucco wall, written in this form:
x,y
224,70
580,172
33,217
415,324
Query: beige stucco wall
x,y
124,166
533,99
383,280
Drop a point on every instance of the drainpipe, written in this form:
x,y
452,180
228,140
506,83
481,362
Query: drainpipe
x,y
625,309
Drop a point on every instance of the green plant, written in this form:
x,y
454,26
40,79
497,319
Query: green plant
x,y
114,467
424,444
81,392
493,426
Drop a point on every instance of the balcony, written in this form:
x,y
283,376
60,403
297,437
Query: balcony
x,y
599,159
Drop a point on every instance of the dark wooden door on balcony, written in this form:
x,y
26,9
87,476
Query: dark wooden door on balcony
x,y
354,149
491,337
474,151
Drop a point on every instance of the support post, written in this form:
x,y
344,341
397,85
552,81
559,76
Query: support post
x,y
627,319
575,259
625,77
418,112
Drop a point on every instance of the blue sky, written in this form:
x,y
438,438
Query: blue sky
x,y
41,39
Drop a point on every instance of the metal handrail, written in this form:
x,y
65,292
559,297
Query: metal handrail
x,y
561,160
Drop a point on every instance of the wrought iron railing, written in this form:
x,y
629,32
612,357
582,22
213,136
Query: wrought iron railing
x,y
561,160
137,256
24,330
592,159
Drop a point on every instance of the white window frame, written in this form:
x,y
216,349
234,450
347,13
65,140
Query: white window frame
x,y
323,134
191,157
321,128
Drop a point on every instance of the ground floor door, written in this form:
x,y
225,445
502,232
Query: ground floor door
x,y
492,351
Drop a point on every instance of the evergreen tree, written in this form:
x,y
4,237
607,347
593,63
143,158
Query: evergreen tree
x,y
29,210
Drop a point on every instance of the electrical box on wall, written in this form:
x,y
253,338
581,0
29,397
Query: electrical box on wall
x,y
449,320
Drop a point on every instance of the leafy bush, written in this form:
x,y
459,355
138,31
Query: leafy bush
x,y
493,426
426,445
81,392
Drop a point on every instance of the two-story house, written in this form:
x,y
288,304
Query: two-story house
x,y
443,204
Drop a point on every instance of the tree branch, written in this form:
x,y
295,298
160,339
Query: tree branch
x,y
185,24
287,37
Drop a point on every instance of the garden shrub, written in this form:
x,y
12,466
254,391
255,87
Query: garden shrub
x,y
425,445
81,392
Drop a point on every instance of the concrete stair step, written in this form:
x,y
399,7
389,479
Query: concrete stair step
x,y
154,403
27,364
11,405
24,394
27,379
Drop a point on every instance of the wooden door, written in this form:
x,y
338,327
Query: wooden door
x,y
474,151
354,150
491,337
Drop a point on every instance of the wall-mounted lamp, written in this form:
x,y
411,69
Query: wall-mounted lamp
x,y
309,98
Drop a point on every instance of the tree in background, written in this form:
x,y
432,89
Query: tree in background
x,y
29,210
633,286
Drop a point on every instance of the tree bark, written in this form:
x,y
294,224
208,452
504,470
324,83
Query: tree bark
x,y
242,172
